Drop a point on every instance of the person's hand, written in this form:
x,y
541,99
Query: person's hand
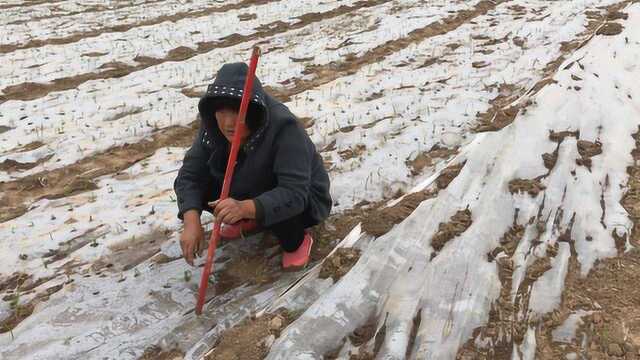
x,y
192,237
230,211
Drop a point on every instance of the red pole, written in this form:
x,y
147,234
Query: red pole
x,y
226,185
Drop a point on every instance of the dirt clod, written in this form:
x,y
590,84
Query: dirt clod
x,y
610,29
379,222
338,264
246,341
530,186
447,175
426,159
20,312
458,223
587,149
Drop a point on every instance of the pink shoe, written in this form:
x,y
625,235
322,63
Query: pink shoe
x,y
234,231
297,260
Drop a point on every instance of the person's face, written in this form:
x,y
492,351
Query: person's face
x,y
226,118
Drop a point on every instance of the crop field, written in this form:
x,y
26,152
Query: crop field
x,y
484,164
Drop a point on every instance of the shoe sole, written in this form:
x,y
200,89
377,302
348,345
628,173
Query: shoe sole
x,y
295,268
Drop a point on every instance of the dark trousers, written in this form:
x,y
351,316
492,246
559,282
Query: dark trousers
x,y
290,232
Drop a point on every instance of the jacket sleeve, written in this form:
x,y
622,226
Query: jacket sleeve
x,y
193,178
292,169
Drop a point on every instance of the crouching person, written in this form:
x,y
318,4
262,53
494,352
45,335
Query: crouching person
x,y
279,183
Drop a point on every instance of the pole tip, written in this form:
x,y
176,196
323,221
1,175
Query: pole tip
x,y
256,51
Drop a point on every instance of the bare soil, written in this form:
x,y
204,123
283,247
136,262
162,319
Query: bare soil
x,y
250,270
26,190
503,111
458,224
354,152
78,177
19,312
132,252
448,174
530,186
426,159
156,353
609,292
10,165
126,27
28,147
246,341
339,264
610,29
87,11
588,149
31,91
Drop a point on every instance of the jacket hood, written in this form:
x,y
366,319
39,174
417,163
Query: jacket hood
x,y
228,86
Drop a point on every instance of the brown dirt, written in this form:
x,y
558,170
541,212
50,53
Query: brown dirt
x,y
23,311
448,174
29,189
246,341
353,62
20,312
78,177
360,337
503,111
250,270
339,264
550,159
32,91
530,186
124,114
376,219
380,221
4,129
247,17
70,246
610,291
131,252
192,93
561,135
10,165
493,42
588,149
610,29
426,159
126,27
414,332
458,224
351,153
520,42
13,281
27,3
631,199
502,328
28,147
156,353
87,11
479,64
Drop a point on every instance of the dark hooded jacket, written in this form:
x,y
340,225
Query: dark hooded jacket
x,y
278,166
